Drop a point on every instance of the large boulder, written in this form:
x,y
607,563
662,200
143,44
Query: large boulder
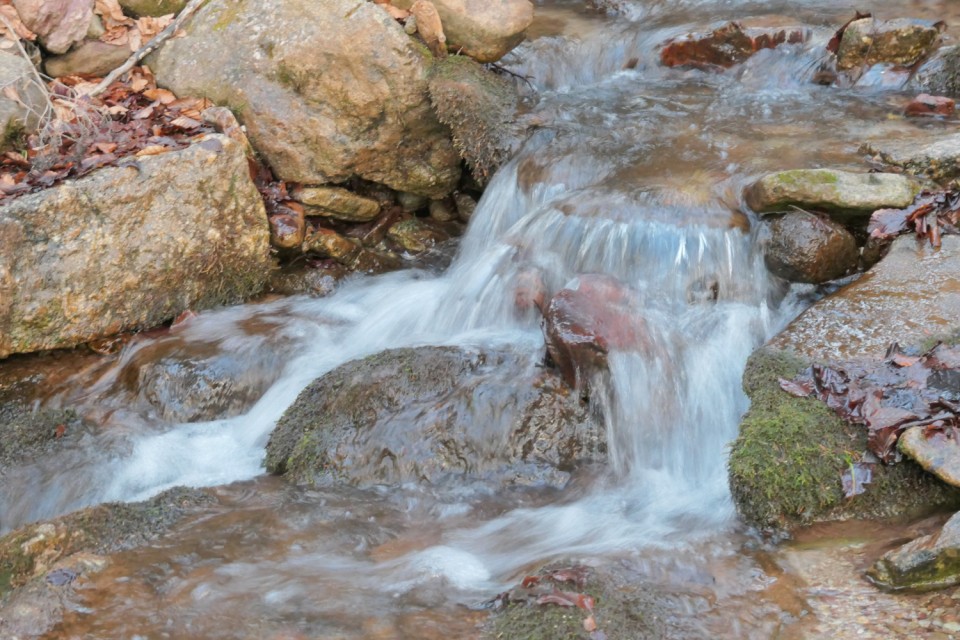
x,y
929,562
842,193
131,246
805,247
902,42
327,91
21,104
59,24
785,466
938,160
426,414
485,30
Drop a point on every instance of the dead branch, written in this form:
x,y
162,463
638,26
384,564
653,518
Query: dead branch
x,y
148,48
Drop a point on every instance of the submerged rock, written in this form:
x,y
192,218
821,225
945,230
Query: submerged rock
x,y
731,44
939,160
804,247
902,42
481,29
327,91
927,105
929,562
785,466
843,193
129,247
426,414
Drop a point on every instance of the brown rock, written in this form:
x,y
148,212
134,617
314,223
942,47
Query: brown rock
x,y
588,319
288,227
330,244
429,27
927,105
129,247
729,45
805,247
335,202
59,24
90,56
152,7
929,562
901,42
936,452
415,235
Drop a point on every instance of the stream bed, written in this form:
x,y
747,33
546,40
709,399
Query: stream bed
x,y
634,170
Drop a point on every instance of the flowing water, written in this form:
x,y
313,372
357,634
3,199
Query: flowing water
x,y
633,170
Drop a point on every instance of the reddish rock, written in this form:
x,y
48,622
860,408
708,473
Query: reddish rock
x,y
531,291
729,45
287,228
587,320
927,105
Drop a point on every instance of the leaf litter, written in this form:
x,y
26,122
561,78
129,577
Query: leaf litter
x,y
887,397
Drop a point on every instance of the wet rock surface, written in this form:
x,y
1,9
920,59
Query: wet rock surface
x,y
324,98
130,247
728,45
804,247
337,203
845,194
432,413
902,41
937,452
938,160
927,563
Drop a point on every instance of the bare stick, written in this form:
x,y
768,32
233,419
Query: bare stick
x,y
148,48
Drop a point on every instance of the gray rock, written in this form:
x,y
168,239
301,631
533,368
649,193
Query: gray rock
x,y
804,247
483,30
940,75
937,453
90,56
59,24
843,193
335,202
939,160
425,414
912,294
19,116
902,42
416,235
327,91
129,247
927,563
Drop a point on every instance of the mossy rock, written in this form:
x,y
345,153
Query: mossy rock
x,y
107,528
786,464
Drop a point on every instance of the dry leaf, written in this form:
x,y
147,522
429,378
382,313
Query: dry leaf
x,y
10,92
116,35
111,13
162,95
149,27
10,13
185,123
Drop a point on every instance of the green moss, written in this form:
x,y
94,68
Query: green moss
x,y
14,135
786,464
228,14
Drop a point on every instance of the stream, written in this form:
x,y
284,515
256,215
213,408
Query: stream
x,y
633,170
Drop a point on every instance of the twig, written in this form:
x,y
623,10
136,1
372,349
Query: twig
x,y
148,48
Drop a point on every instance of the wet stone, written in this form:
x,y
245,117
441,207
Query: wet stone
x,y
927,563
805,247
927,105
416,236
937,452
729,45
903,42
335,202
938,160
842,193
330,244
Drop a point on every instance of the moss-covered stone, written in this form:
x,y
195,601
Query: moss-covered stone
x,y
927,563
786,464
106,528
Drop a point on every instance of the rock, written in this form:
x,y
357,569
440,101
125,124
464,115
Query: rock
x,y
937,453
938,160
466,205
27,432
785,465
479,107
129,247
940,75
335,202
427,20
327,243
18,117
31,551
90,56
411,202
327,91
59,24
586,320
902,42
927,105
152,7
416,235
927,563
426,414
842,193
483,30
804,247
297,280
288,227
731,44
441,211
